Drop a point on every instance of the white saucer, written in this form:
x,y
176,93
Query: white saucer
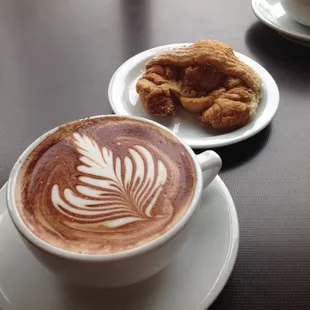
x,y
191,282
125,101
271,13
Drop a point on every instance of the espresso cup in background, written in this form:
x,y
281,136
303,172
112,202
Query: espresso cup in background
x,y
299,10
108,201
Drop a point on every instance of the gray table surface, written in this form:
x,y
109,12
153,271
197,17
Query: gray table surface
x,y
56,60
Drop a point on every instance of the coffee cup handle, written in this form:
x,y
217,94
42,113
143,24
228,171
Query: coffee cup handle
x,y
210,164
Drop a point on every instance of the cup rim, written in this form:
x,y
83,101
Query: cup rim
x,y
140,250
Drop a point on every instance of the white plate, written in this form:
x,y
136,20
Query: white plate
x,y
125,101
191,282
271,13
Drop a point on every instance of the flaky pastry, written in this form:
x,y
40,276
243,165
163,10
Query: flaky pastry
x,y
206,78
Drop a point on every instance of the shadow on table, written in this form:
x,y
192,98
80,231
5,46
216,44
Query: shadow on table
x,y
287,62
242,152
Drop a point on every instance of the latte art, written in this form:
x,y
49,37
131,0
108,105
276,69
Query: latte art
x,y
105,185
121,198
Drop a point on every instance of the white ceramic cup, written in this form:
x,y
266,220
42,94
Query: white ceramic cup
x,y
123,268
299,10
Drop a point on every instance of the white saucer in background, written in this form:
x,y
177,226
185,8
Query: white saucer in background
x,y
191,282
271,13
125,101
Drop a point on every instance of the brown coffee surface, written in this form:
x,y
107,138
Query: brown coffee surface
x,y
105,185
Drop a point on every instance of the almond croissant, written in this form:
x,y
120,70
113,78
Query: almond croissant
x,y
206,78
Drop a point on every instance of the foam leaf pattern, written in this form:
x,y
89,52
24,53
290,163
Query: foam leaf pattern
x,y
113,191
